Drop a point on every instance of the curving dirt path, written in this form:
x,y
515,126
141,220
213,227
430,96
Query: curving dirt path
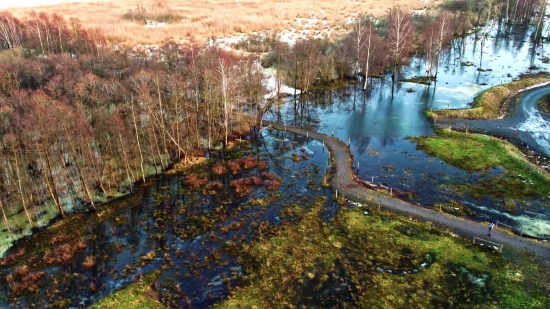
x,y
344,183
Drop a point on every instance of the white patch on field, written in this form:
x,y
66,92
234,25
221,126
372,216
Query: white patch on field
x,y
459,92
270,84
534,86
538,128
154,24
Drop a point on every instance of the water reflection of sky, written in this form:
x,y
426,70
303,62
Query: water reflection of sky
x,y
377,124
509,52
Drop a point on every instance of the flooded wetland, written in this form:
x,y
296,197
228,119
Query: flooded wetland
x,y
259,223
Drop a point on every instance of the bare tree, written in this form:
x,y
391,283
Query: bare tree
x,y
490,9
437,35
399,39
10,31
372,43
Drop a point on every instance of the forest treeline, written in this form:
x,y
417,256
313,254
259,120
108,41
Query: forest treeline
x,y
81,117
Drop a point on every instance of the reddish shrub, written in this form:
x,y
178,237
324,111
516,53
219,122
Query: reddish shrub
x,y
59,239
255,181
219,169
22,279
194,181
270,176
272,185
214,185
249,163
63,254
243,186
262,166
240,186
234,167
12,257
89,261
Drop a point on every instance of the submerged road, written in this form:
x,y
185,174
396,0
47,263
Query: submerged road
x,y
525,124
344,182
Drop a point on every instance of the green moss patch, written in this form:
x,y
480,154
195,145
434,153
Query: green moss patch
x,y
479,153
139,294
544,104
382,260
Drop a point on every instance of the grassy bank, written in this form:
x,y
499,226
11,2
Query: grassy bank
x,y
137,295
379,260
489,103
544,104
479,153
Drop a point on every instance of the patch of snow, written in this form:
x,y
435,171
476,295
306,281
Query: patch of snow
x,y
535,86
270,83
154,24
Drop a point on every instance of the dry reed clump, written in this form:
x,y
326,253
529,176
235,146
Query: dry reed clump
x,y
186,164
89,261
243,186
262,166
12,257
214,185
57,239
272,185
269,176
22,279
248,163
219,169
271,182
234,166
64,254
194,182
185,20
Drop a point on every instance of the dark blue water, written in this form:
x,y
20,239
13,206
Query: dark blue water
x,y
377,124
159,220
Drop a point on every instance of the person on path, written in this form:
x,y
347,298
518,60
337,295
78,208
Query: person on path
x,y
491,225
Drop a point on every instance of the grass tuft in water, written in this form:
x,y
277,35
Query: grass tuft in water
x,y
480,153
140,294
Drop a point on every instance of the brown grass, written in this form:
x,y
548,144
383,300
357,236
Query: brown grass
x,y
64,254
209,18
22,279
89,261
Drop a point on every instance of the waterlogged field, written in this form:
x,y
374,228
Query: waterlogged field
x,y
177,225
479,153
363,258
258,229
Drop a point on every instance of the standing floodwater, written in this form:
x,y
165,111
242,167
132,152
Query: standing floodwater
x,y
172,228
377,125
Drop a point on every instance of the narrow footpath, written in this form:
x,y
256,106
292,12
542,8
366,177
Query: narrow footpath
x,y
344,183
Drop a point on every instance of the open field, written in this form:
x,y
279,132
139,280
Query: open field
x,y
188,20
